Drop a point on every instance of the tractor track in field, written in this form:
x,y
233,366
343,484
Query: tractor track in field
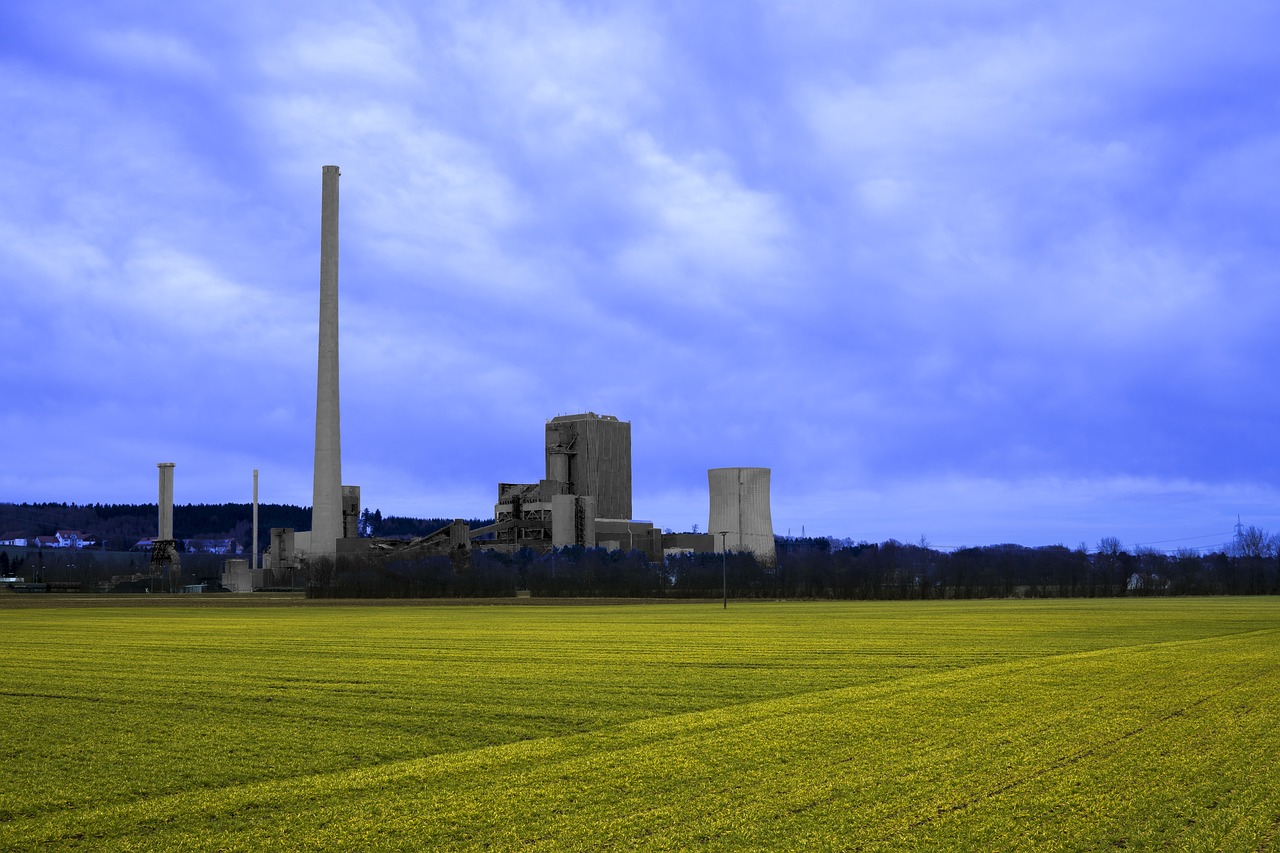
x,y
1070,760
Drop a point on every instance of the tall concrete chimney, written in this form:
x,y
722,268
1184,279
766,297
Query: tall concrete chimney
x,y
326,499
164,525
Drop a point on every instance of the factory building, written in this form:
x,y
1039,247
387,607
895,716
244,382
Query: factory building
x,y
588,483
585,500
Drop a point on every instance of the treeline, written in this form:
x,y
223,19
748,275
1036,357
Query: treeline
x,y
809,568
374,523
118,527
572,571
813,568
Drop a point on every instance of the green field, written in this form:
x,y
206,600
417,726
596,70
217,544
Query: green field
x,y
1068,724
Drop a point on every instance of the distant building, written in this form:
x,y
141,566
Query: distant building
x,y
687,543
17,539
73,539
237,576
585,500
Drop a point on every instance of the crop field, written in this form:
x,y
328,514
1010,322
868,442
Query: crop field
x,y
1038,725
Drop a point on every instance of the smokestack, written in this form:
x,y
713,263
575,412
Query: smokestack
x,y
326,500
164,526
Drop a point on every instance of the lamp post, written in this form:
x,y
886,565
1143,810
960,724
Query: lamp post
x,y
724,565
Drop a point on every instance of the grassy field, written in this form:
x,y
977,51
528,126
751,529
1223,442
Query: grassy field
x,y
1070,724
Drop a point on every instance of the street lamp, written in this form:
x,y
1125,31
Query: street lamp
x,y
724,565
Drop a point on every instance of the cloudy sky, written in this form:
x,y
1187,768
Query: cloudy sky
x,y
979,272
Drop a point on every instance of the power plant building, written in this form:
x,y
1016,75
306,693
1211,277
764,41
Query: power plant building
x,y
589,455
740,518
585,498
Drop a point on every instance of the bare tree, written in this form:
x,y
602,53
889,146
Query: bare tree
x,y
1254,541
1110,546
1110,566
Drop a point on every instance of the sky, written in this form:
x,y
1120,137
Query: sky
x,y
963,273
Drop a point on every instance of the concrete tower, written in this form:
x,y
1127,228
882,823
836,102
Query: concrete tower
x,y
326,499
740,516
164,551
164,524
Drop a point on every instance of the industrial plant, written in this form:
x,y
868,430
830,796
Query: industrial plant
x,y
583,500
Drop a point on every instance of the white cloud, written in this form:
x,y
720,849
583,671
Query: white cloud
x,y
561,81
704,235
41,257
150,51
368,52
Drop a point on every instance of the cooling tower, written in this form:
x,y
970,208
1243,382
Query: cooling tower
x,y
326,498
740,518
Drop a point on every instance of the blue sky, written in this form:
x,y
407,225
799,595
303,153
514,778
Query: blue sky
x,y
985,272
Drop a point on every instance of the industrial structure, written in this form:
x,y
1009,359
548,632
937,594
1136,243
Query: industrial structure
x,y
588,459
588,483
164,550
740,516
584,499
